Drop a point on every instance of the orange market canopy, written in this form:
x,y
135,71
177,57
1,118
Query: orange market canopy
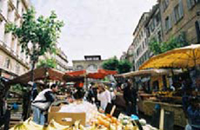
x,y
184,57
80,75
74,76
39,74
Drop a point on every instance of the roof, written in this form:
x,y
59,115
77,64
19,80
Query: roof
x,y
39,73
92,56
141,18
151,13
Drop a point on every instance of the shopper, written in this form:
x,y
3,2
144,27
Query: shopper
x,y
130,97
42,103
79,105
103,95
191,106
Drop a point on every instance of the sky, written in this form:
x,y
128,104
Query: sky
x,y
95,27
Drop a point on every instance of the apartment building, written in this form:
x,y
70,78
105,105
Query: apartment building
x,y
181,16
153,26
60,58
140,43
12,61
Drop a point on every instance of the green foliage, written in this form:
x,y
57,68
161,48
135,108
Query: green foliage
x,y
154,46
49,63
111,64
18,88
174,42
114,64
124,66
41,33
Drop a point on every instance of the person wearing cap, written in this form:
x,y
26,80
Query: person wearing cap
x,y
42,103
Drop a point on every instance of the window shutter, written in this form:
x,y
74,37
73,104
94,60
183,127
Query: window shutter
x,y
174,17
180,8
170,21
166,25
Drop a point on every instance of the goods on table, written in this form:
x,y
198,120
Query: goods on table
x,y
101,122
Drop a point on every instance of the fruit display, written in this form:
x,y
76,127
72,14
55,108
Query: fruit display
x,y
102,122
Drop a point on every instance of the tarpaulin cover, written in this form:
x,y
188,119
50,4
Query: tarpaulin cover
x,y
151,72
107,72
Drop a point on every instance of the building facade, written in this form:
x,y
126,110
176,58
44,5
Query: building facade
x,y
91,63
60,58
180,16
123,56
130,56
140,43
153,26
13,61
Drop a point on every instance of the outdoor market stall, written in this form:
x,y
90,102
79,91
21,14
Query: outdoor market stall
x,y
186,57
147,101
101,121
21,103
39,74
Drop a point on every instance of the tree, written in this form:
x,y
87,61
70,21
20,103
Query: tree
x,y
114,64
49,63
124,66
37,36
154,46
174,42
111,64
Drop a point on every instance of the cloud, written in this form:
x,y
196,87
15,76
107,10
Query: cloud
x,y
102,27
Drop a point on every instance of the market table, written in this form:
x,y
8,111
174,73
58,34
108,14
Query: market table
x,y
179,116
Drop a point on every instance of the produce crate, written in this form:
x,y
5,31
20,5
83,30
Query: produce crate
x,y
65,118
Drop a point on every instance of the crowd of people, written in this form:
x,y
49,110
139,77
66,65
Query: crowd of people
x,y
96,98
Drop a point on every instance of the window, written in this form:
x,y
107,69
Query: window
x,y
165,4
18,1
7,63
157,18
17,68
9,14
143,45
192,3
159,37
79,67
167,23
92,67
1,29
178,12
1,21
138,51
13,43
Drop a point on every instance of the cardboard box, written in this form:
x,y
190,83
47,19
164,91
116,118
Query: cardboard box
x,y
65,118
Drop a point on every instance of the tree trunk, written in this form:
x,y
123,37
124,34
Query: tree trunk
x,y
27,115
